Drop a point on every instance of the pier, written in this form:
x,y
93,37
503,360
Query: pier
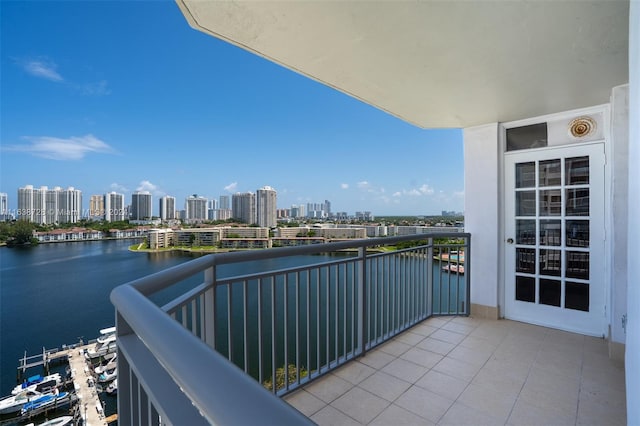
x,y
84,395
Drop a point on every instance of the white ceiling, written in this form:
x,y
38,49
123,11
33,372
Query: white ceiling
x,y
438,63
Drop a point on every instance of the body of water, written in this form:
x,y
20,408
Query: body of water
x,y
56,294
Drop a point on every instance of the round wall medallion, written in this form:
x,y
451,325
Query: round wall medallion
x,y
582,126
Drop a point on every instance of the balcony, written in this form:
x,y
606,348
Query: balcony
x,y
368,335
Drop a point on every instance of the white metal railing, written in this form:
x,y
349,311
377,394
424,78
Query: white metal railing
x,y
185,363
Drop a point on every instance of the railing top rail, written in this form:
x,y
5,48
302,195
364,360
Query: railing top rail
x,y
155,282
167,339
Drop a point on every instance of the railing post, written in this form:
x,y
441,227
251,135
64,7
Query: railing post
x,y
467,266
429,292
362,300
209,307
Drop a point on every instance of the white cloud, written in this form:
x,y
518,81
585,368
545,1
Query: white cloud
x,y
42,68
95,89
344,186
118,188
426,189
231,187
147,186
72,148
363,185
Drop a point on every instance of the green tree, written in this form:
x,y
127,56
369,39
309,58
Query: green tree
x,y
22,233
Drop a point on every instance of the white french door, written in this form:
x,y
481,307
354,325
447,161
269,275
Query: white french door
x,y
554,232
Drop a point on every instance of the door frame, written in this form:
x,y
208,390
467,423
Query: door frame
x,y
605,109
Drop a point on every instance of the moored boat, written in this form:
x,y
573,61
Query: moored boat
x,y
112,389
50,399
453,267
39,383
13,404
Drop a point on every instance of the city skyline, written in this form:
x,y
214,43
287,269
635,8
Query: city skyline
x,y
157,106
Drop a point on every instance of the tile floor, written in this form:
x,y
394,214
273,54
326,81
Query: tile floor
x,y
466,371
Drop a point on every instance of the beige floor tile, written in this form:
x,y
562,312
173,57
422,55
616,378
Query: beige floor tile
x,y
596,414
424,403
596,345
437,346
328,388
394,347
527,414
471,321
360,405
455,368
448,336
385,386
461,415
472,356
409,338
305,402
602,395
492,402
405,370
398,416
442,384
354,372
499,380
421,357
558,364
329,416
473,342
423,329
458,327
437,322
376,359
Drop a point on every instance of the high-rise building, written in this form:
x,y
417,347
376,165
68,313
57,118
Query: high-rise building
x,y
266,198
141,205
196,208
167,208
4,206
96,207
48,206
224,203
114,209
243,207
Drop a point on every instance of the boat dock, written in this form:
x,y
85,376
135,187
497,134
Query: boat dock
x,y
84,398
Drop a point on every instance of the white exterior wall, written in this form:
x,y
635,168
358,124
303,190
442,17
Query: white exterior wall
x,y
617,238
632,355
482,213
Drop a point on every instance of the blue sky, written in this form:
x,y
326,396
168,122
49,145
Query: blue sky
x,y
125,95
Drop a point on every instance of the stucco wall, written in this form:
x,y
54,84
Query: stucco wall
x,y
481,215
619,191
632,357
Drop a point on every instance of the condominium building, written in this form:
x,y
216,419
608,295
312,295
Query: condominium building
x,y
114,209
243,206
96,207
225,204
266,198
48,206
167,208
4,206
196,208
141,205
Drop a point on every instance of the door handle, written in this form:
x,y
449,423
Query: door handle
x,y
510,240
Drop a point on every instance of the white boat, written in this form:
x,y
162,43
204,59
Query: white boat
x,y
58,421
50,399
112,389
105,333
107,345
13,404
39,383
108,375
111,363
453,267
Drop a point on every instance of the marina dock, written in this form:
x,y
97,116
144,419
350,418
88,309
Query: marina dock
x,y
84,401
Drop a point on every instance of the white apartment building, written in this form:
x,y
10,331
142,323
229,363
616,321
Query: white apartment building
x,y
48,206
114,208
196,208
167,206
